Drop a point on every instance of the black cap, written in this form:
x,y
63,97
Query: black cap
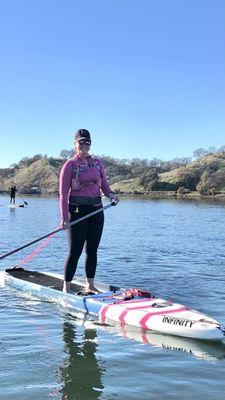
x,y
82,134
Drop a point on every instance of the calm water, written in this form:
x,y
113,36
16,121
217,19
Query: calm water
x,y
173,248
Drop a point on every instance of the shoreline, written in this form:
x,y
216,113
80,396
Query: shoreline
x,y
156,195
173,195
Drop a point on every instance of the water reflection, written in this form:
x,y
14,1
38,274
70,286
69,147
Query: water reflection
x,y
205,350
201,349
81,375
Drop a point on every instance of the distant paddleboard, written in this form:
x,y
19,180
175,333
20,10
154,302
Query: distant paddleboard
x,y
13,205
16,205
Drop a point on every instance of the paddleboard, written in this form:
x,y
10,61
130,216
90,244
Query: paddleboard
x,y
126,307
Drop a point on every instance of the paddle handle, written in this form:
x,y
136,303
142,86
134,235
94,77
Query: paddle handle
x,y
56,231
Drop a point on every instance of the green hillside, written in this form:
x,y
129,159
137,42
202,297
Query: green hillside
x,y
38,177
205,176
201,175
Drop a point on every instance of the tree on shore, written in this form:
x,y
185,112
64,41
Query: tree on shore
x,y
66,153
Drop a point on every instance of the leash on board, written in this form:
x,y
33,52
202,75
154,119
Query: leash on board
x,y
113,203
36,251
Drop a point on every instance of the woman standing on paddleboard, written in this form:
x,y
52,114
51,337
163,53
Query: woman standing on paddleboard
x,y
81,181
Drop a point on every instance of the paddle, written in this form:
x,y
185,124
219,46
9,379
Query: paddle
x,y
26,204
113,203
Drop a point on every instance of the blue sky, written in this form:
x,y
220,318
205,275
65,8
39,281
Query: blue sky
x,y
146,77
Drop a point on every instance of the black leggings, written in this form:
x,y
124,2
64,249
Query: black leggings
x,y
87,232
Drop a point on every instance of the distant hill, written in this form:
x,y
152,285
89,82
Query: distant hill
x,y
206,175
40,177
202,175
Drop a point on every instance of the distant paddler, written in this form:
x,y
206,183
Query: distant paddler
x,y
82,179
12,193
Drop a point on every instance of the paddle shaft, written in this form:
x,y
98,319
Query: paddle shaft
x,y
22,199
55,231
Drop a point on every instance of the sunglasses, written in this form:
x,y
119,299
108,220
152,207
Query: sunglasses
x,y
86,142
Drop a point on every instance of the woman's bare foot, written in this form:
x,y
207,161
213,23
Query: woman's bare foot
x,y
90,288
66,287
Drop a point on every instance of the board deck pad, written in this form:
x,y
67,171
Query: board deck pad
x,y
47,280
42,279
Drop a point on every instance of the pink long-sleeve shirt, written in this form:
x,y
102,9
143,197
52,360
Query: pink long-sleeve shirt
x,y
91,175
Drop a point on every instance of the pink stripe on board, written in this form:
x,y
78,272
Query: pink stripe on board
x,y
149,315
104,310
122,316
127,310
